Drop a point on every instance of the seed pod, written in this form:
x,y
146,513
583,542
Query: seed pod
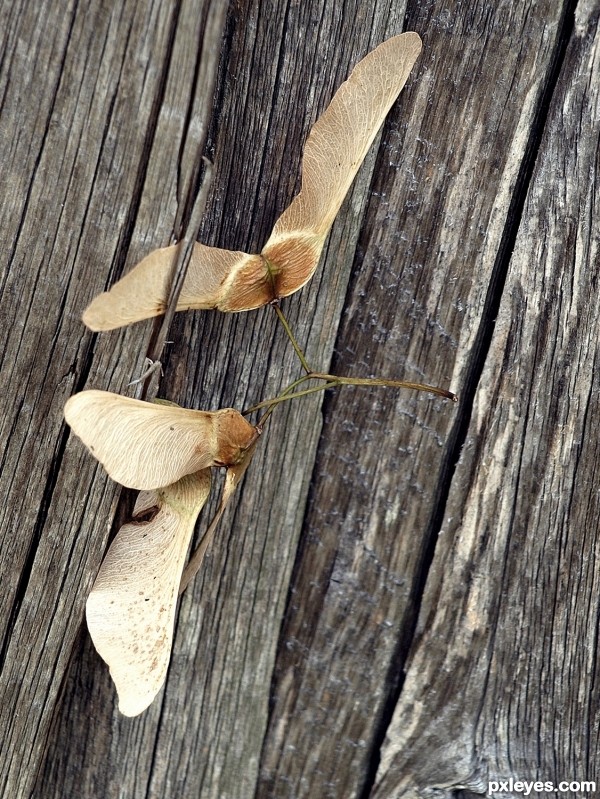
x,y
149,445
237,281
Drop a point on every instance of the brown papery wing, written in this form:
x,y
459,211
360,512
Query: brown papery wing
x,y
237,281
131,609
143,292
147,445
335,149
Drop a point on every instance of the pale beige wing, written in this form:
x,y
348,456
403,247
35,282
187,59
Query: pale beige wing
x,y
143,292
131,609
333,153
146,445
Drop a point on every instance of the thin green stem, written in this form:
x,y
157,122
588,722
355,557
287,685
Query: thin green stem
x,y
375,381
333,381
292,338
286,391
271,403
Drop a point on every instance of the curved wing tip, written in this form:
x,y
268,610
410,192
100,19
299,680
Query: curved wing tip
x,y
82,398
412,42
93,317
71,406
101,314
414,37
134,705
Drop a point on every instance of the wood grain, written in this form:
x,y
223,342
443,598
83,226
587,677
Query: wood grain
x,y
373,518
394,565
503,673
79,105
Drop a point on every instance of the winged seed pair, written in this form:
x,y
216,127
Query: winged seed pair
x,y
169,452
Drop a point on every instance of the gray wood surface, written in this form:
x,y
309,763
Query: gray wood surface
x,y
403,598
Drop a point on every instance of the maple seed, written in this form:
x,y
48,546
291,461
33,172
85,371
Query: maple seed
x,y
238,281
149,445
168,451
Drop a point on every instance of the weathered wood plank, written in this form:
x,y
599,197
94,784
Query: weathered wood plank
x,y
503,681
416,305
407,271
